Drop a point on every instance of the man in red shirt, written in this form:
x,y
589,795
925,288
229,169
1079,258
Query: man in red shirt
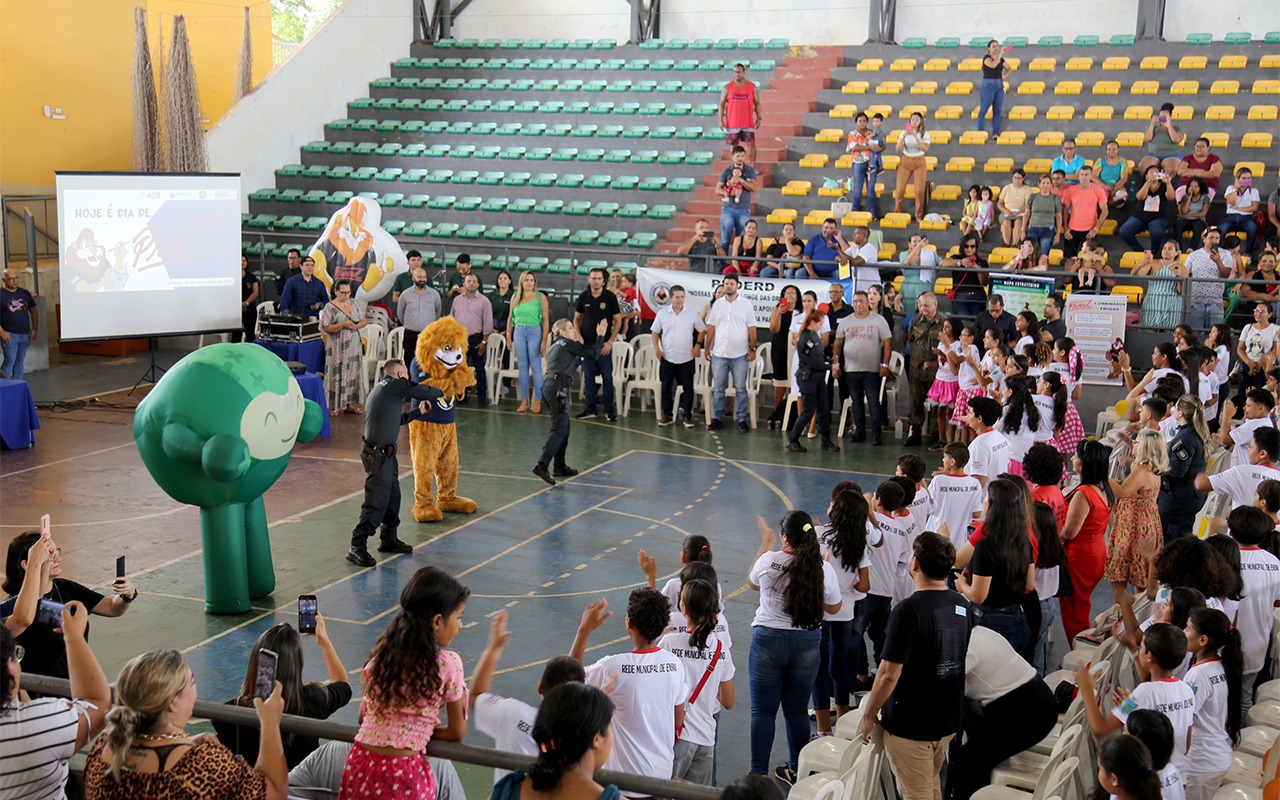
x,y
740,112
1085,205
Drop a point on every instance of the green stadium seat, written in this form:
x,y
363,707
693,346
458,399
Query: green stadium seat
x,y
947,43
334,199
612,239
662,65
596,182
663,212
571,180
465,176
437,151
633,210
557,44
316,147
617,157
393,227
585,131
388,150
387,126
509,129
595,86
591,155
461,128
711,65
490,44
547,85
516,179
672,157
416,175
777,44
262,221
549,207
627,109
763,65
604,107
472,230
405,63
264,195
636,65
644,157
1049,41
636,132
681,184
390,200
491,178
538,154
1199,38
435,127
321,171
535,129
509,261
624,183
576,208
526,234
512,153
463,150
555,236
706,110
651,44
603,44
694,87
1122,40
687,65
574,85
522,85
675,44
580,44
1238,37
642,241
653,184
561,266
518,64
1016,41
388,174
534,263
495,204
365,174
702,44
699,158
542,64
415,201
565,154
500,84
445,230
417,229
467,204
441,202
1272,37
1085,40
488,151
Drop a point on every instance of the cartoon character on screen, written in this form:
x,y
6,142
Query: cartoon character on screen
x,y
216,432
354,247
90,269
440,361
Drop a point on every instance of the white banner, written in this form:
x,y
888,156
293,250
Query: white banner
x,y
699,287
1096,323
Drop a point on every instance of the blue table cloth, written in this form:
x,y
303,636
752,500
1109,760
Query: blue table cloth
x,y
312,386
18,419
310,354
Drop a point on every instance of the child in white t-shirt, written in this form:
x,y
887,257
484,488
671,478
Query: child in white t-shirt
x,y
989,449
912,466
1214,676
648,687
957,496
914,526
1240,482
1155,731
873,611
507,720
1257,413
1260,571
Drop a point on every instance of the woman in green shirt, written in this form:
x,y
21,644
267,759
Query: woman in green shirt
x,y
528,320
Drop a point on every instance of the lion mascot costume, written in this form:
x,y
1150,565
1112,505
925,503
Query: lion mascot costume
x,y
440,361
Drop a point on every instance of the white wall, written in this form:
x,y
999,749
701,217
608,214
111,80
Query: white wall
x,y
1220,17
543,19
934,19
816,22
267,128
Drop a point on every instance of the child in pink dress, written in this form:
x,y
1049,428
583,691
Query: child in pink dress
x,y
946,383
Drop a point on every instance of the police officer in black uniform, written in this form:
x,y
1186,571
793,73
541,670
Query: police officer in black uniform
x,y
1178,500
383,415
564,356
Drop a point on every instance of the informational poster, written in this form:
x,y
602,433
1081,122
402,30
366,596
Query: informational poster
x,y
699,287
1096,323
1021,293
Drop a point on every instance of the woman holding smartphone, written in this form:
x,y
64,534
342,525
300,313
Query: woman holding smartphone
x,y
912,147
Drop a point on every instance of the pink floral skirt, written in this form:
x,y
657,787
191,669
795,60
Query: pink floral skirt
x,y
962,405
370,774
944,392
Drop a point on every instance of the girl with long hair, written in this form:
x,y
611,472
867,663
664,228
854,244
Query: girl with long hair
x,y
1216,677
528,325
1125,771
964,358
1136,527
1001,570
796,586
411,683
695,548
1088,514
1021,420
845,546
1052,402
1051,556
946,383
1068,363
1027,326
574,734
779,346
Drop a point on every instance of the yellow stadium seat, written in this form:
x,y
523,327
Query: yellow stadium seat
x,y
1183,113
1002,255
870,64
1068,87
924,87
937,65
1115,63
970,65
1106,87
815,160
800,188
1256,139
1138,112
959,87
1014,62
940,136
1011,138
1022,113
1043,64
1049,139
1193,62
1266,87
890,162
1133,294
1031,87
1108,228
1055,257
931,163
895,220
1217,138
945,192
829,135
1132,259
973,137
1260,113
1038,166
903,65
833,191
856,87
1185,87
782,216
1099,112
889,87
948,112
1220,112
942,285
1270,61
1224,87
1089,139
888,251
844,162
1255,167
1233,62
998,164
934,224
881,109
1060,112
843,111
960,164
1145,87
1079,64
1130,139
995,191
816,216
855,219
1154,62
974,113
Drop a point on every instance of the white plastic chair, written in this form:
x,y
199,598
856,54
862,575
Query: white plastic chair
x,y
264,308
646,366
1024,770
511,372
1052,784
495,352
1256,740
218,338
372,338
379,315
395,344
831,753
862,781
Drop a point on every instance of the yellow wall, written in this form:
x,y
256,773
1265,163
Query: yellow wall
x,y
78,55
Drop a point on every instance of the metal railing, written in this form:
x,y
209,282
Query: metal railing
x,y
453,751
44,209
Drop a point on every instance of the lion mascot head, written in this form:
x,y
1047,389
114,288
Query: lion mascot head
x,y
442,358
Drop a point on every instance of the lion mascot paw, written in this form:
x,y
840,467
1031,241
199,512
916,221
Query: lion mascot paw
x,y
440,361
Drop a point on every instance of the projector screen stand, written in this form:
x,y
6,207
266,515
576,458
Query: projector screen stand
x,y
153,372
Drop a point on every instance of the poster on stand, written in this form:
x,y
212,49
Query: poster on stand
x,y
1096,323
1021,293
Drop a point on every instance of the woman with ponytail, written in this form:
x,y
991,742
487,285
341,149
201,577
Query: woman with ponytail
x,y
1179,500
1068,363
146,751
708,674
574,735
1216,677
1125,771
844,544
796,586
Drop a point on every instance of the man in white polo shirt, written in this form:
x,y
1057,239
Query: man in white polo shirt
x,y
677,338
989,450
862,260
730,346
1241,483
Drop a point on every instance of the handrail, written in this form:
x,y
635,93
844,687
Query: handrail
x,y
453,751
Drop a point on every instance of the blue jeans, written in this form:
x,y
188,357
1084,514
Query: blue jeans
x,y
602,366
835,666
1048,613
1240,222
1042,235
721,369
1129,232
991,95
769,272
872,618
969,302
862,174
527,340
1008,622
782,665
1205,315
15,353
733,221
858,384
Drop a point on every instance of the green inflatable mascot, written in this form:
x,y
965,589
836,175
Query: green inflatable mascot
x,y
216,432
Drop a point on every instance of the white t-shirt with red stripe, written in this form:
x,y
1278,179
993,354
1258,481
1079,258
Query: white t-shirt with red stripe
x,y
1241,483
1261,573
1171,697
1210,745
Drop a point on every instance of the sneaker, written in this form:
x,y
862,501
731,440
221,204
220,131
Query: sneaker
x,y
359,555
744,427
541,471
611,416
688,422
564,471
666,422
811,435
938,447
586,414
715,425
794,446
785,774
394,545
858,435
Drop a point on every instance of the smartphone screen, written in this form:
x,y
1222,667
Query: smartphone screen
x,y
306,613
46,528
120,573
264,683
49,613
